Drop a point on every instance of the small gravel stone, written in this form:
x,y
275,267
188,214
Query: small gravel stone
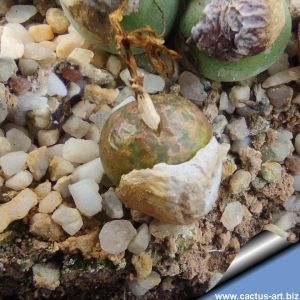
x,y
81,56
83,109
56,18
293,204
114,65
38,162
42,226
40,118
233,215
37,51
8,68
100,117
18,140
5,146
55,86
48,137
62,186
238,95
191,87
142,264
31,101
55,150
97,76
239,181
92,170
162,230
93,133
99,95
287,220
225,104
68,218
13,162
86,197
271,171
115,236
20,181
238,129
41,32
280,96
43,189
297,143
19,85
59,167
112,205
297,183
11,46
282,77
71,74
219,124
50,202
20,13
17,208
236,146
72,150
292,164
76,127
66,44
141,241
28,67
46,276
140,287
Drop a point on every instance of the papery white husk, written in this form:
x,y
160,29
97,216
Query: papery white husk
x,y
177,194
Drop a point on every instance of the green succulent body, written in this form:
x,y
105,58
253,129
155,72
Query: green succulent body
x,y
95,27
127,143
230,71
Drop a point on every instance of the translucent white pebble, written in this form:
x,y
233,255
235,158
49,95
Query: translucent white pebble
x,y
81,56
69,218
141,241
93,170
140,287
287,220
31,101
233,215
37,51
18,31
20,181
293,204
116,235
11,46
55,86
80,151
20,13
13,162
112,205
86,197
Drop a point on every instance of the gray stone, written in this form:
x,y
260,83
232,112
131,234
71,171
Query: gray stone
x,y
8,68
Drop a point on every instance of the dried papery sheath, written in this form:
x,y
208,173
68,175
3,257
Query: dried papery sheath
x,y
177,194
235,29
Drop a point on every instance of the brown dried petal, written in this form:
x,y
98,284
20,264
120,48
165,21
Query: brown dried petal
x,y
234,29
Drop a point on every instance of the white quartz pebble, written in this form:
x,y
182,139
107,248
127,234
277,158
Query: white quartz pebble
x,y
48,137
11,46
38,162
5,146
112,205
76,127
17,208
13,162
233,215
68,218
55,86
37,51
293,204
116,235
62,186
297,183
18,31
86,197
19,181
31,101
59,167
287,220
80,151
92,170
50,202
140,287
18,140
141,241
55,150
20,13
81,56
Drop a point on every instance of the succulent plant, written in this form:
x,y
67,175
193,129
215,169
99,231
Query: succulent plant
x,y
127,143
238,39
91,18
